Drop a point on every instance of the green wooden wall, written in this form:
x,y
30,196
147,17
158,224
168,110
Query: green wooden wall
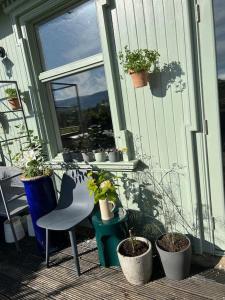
x,y
165,117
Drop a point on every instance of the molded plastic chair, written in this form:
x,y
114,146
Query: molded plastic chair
x,y
74,205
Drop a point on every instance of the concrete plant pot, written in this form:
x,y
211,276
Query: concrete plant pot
x,y
114,156
138,269
176,265
100,156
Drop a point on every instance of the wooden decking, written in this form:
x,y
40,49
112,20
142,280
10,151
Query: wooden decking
x,y
25,277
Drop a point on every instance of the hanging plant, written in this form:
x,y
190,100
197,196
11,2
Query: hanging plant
x,y
138,63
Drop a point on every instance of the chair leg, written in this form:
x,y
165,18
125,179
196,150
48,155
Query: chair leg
x,y
47,248
74,250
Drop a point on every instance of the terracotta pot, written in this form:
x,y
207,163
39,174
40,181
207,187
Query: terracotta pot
x,y
106,209
140,79
14,103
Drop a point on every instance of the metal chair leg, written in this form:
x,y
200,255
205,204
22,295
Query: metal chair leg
x,y
47,248
74,250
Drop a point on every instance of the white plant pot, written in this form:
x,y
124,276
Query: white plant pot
x,y
30,226
138,269
106,209
17,227
100,156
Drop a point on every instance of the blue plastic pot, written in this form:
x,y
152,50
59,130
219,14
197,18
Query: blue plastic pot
x,y
41,199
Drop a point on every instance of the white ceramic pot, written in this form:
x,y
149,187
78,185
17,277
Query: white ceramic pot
x,y
18,227
100,156
106,209
137,269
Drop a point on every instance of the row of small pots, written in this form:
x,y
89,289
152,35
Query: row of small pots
x,y
112,156
138,269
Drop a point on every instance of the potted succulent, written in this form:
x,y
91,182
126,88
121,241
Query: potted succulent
x,y
88,156
12,98
36,177
175,254
101,184
114,155
138,63
100,155
135,257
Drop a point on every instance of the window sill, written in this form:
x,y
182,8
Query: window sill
x,y
120,166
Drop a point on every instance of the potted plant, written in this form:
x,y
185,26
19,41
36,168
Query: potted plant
x,y
100,155
101,184
36,177
135,257
13,98
114,155
175,254
88,156
138,63
67,155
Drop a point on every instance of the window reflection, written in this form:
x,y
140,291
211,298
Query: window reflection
x,y
70,36
83,110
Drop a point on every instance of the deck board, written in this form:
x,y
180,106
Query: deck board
x,y
24,276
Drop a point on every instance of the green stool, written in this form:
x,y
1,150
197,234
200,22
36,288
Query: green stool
x,y
108,235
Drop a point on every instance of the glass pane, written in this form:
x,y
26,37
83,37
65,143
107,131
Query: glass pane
x,y
219,21
83,111
69,37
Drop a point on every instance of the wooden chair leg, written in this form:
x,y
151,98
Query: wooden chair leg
x,y
73,242
47,248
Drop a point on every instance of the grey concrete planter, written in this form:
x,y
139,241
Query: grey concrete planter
x,y
114,156
176,265
138,269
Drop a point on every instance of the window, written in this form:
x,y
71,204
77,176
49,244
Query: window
x,y
73,68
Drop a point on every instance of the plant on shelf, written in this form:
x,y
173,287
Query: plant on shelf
x,y
100,155
114,155
135,257
102,185
12,98
138,63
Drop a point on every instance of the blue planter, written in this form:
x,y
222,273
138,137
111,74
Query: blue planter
x,y
41,199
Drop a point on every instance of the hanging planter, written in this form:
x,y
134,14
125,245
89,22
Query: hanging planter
x,y
13,98
138,63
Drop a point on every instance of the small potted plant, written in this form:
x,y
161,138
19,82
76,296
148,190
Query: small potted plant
x,y
135,257
114,155
100,155
138,63
88,156
12,98
101,184
175,254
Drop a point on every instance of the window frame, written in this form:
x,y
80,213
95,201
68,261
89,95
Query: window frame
x,y
24,19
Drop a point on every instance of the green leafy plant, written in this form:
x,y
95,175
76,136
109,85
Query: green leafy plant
x,y
32,156
11,93
138,60
101,184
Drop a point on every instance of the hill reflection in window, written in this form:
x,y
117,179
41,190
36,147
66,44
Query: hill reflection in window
x,y
83,111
